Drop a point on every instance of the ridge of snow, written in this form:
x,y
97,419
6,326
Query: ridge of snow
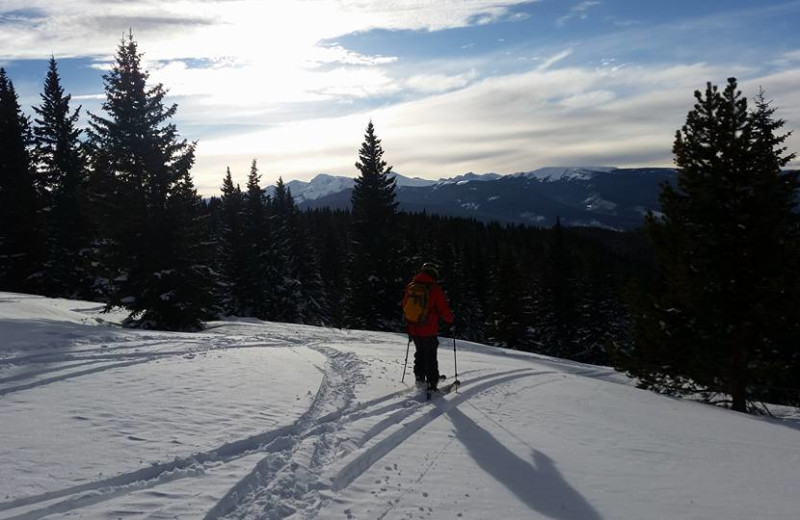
x,y
562,173
321,185
469,177
412,182
326,184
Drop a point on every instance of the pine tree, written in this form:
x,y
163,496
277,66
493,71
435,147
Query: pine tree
x,y
464,299
302,291
153,244
63,174
260,278
21,236
727,248
231,248
331,228
556,318
508,307
374,284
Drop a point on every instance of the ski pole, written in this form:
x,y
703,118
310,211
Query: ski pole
x,y
408,347
455,361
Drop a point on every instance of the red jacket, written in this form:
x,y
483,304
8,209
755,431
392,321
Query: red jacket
x,y
437,307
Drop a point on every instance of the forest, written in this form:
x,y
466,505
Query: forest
x,y
703,300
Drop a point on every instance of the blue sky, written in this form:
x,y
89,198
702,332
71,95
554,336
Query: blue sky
x,y
451,85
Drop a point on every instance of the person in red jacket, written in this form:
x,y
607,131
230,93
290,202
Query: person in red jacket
x,y
425,335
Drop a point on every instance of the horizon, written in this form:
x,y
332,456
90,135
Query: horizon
x,y
452,87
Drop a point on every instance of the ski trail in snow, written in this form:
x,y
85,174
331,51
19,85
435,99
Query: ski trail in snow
x,y
304,461
53,356
157,473
34,373
285,477
321,458
368,457
101,490
126,359
71,375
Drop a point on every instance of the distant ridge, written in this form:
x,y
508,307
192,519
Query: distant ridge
x,y
599,196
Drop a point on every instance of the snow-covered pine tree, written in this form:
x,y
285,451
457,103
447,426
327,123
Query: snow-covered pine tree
x,y
63,174
727,246
154,246
374,285
21,234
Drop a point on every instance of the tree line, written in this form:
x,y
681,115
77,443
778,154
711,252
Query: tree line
x,y
703,299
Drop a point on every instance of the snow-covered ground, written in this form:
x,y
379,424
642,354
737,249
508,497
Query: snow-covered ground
x,y
264,420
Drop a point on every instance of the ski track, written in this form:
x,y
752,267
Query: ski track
x,y
298,479
304,461
105,354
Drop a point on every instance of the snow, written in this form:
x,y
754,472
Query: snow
x,y
470,177
561,173
250,420
325,184
321,185
596,203
412,182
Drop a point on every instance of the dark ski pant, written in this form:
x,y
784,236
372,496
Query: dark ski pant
x,y
426,366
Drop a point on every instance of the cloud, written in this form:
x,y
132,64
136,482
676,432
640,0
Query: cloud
x,y
549,62
516,122
257,79
436,83
788,58
580,11
214,28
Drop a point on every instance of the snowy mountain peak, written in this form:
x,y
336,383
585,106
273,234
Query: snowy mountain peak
x,y
412,182
469,177
563,173
326,184
322,184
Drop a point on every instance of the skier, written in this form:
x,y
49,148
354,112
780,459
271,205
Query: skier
x,y
423,326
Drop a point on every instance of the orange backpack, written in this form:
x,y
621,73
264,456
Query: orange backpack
x,y
415,308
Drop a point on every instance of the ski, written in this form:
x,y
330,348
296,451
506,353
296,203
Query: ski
x,y
442,391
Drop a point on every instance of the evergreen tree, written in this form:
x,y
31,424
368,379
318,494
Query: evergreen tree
x,y
464,299
231,248
303,292
332,230
63,175
21,238
726,312
374,285
261,283
154,249
556,318
508,307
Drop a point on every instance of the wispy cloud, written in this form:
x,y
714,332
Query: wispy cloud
x,y
580,12
788,58
549,62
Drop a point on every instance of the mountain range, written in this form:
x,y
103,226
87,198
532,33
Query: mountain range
x,y
602,196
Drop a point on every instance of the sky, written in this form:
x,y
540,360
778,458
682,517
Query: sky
x,y
451,86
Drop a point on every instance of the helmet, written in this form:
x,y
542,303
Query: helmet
x,y
430,268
